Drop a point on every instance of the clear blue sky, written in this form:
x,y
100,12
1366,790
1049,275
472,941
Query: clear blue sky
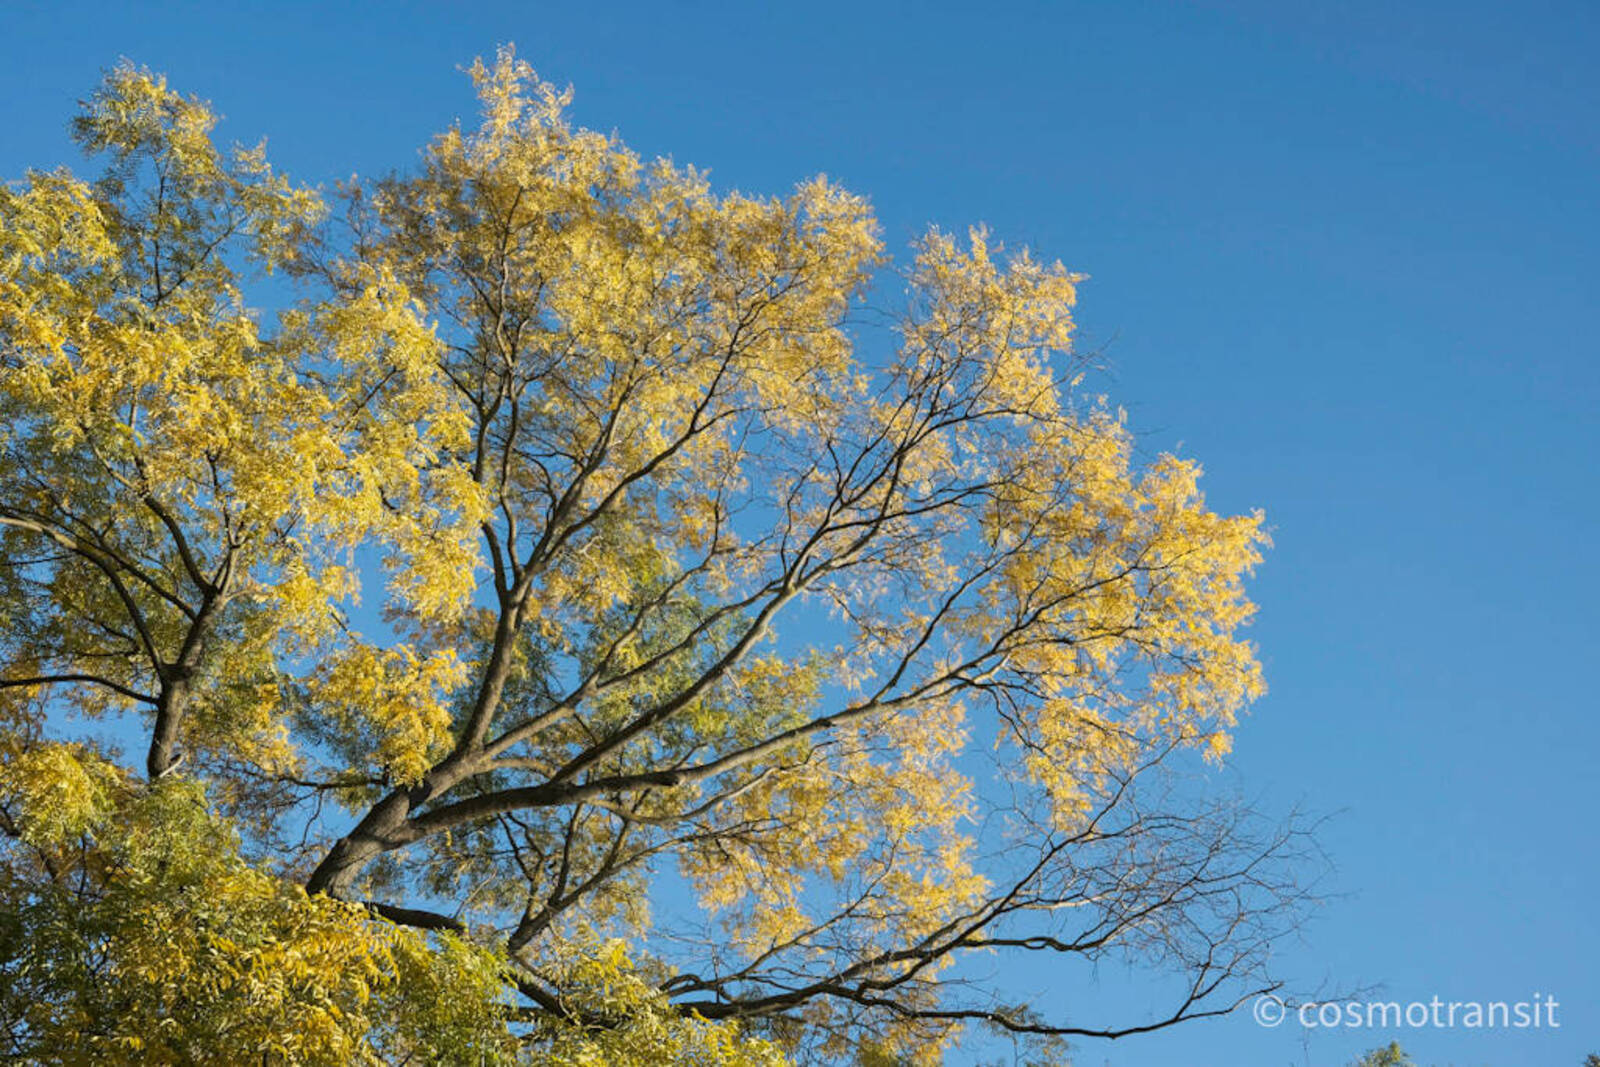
x,y
1348,255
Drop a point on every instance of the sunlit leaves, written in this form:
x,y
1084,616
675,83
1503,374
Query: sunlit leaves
x,y
621,1020
570,525
165,946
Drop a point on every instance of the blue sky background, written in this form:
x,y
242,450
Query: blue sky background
x,y
1347,255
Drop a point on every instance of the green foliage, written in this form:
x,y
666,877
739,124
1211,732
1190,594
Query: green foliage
x,y
146,938
1391,1055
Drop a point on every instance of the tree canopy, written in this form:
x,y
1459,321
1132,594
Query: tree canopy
x,y
531,608
1390,1055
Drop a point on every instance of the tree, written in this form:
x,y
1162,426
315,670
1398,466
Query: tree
x,y
880,644
1390,1055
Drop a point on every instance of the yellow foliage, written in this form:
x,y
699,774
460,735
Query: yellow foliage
x,y
166,947
675,561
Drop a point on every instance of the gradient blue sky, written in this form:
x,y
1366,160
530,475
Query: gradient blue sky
x,y
1347,255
